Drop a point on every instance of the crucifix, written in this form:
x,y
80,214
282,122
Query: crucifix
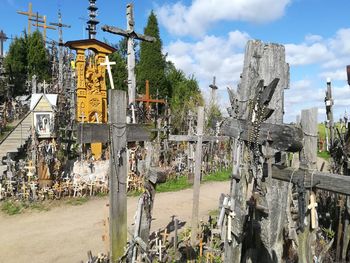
x,y
30,15
60,25
45,26
108,64
3,38
130,34
329,111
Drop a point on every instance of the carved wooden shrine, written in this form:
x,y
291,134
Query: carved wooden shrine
x,y
91,104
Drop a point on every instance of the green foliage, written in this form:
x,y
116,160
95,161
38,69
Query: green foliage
x,y
152,62
37,57
16,63
186,96
119,72
214,115
328,232
27,56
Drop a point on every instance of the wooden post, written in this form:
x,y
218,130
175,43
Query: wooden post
x,y
197,175
308,156
118,174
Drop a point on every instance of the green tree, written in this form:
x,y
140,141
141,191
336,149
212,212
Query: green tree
x,y
16,63
186,96
38,57
152,62
119,72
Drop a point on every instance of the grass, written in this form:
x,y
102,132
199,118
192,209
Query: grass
x,y
324,155
12,207
182,183
173,185
77,201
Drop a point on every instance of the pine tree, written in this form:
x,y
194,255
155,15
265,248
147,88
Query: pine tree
x,y
152,62
16,63
38,59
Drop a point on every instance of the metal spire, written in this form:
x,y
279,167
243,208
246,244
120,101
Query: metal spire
x,y
92,22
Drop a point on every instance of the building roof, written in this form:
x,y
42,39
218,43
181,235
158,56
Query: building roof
x,y
51,98
92,44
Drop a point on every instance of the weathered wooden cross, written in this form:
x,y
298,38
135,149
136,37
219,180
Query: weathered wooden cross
x,y
118,133
130,34
30,15
199,138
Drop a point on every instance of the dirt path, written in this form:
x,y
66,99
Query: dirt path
x,y
65,234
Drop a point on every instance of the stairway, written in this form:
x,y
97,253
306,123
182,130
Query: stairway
x,y
15,139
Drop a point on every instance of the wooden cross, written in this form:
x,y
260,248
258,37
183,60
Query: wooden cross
x,y
29,14
312,206
3,38
165,235
130,34
147,98
45,26
329,110
108,64
118,133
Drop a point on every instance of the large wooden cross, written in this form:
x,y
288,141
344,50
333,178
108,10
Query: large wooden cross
x,y
147,98
130,34
118,133
30,15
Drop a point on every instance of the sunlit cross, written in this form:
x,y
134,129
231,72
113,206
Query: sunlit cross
x,y
108,64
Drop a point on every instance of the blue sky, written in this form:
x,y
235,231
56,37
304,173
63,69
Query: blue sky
x,y
206,38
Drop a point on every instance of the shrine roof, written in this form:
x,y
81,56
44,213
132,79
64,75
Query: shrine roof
x,y
92,44
51,98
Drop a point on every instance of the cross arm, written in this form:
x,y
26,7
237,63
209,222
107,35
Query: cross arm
x,y
99,132
283,137
324,181
127,33
194,138
60,25
115,30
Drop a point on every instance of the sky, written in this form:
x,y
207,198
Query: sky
x,y
206,38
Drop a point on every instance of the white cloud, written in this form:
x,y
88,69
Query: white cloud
x,y
195,19
303,54
211,56
339,74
